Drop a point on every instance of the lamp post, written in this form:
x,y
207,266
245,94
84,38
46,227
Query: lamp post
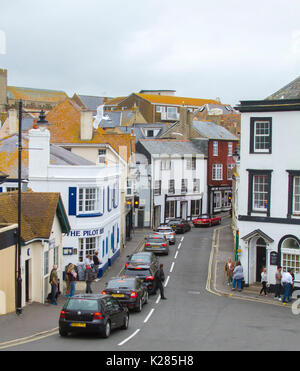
x,y
236,158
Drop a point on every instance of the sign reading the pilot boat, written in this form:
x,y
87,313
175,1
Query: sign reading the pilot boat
x,y
86,233
273,258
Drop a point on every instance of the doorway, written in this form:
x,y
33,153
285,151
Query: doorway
x,y
183,209
261,257
27,281
140,218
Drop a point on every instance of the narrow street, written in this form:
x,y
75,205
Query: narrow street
x,y
191,319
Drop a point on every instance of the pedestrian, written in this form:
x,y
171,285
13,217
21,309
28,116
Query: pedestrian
x,y
159,278
238,277
278,277
67,279
292,286
287,282
54,284
88,260
96,262
228,270
264,281
72,276
89,277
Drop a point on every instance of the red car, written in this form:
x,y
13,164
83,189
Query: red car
x,y
207,220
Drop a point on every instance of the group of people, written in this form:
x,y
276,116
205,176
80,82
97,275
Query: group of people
x,y
71,276
235,277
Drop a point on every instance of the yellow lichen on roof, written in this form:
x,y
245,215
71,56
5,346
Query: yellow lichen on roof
x,y
178,101
9,160
114,101
40,95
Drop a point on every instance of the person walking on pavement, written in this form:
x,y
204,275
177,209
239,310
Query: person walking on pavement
x,y
228,269
292,286
72,276
238,276
287,282
89,277
54,284
159,278
278,277
264,281
96,262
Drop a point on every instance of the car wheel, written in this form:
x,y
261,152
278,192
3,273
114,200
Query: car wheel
x,y
140,306
106,332
63,333
126,322
146,298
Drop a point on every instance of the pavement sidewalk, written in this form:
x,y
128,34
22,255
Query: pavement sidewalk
x,y
222,249
39,319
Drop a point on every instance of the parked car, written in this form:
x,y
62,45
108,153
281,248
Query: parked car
x,y
180,225
130,291
143,257
92,313
157,243
144,272
168,232
207,220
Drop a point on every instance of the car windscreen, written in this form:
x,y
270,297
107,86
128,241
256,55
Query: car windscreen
x,y
121,284
174,222
82,304
133,272
155,240
140,258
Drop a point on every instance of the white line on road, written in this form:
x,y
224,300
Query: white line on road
x,y
172,267
182,239
130,337
149,315
179,246
175,257
158,299
167,280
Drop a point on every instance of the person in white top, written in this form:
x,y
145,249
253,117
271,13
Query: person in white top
x,y
264,281
287,282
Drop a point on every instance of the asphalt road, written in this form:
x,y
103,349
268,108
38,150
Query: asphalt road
x,y
192,319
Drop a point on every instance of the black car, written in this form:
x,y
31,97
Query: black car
x,y
143,257
92,313
180,225
131,292
144,272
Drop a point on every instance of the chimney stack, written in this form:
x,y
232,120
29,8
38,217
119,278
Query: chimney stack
x,y
86,125
3,89
13,121
186,120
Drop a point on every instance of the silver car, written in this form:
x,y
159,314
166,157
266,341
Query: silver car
x,y
168,232
157,243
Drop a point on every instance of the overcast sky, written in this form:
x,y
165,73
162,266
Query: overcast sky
x,y
231,49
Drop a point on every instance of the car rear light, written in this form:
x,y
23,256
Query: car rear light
x,y
164,244
150,278
133,295
147,244
180,225
126,265
62,314
97,315
104,292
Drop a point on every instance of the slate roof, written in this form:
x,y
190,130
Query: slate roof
x,y
211,130
38,210
290,91
92,102
170,147
138,130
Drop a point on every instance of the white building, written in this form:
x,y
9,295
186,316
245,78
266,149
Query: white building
x,y
268,215
91,195
178,175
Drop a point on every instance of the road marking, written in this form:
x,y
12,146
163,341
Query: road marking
x,y
175,257
172,267
130,337
149,315
167,280
182,239
179,246
158,299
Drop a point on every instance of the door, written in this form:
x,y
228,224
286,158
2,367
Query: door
x,y
141,218
261,257
183,209
27,281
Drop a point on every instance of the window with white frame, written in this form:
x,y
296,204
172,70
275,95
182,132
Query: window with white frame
x,y
157,187
171,189
172,113
260,135
89,200
165,164
87,246
171,209
217,200
196,185
290,256
46,262
230,147
260,192
195,207
215,148
296,195
191,163
184,185
229,169
102,156
217,172
129,187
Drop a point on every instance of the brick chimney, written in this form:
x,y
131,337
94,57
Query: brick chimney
x,y
86,125
186,120
3,89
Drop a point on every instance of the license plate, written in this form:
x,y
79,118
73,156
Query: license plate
x,y
156,246
118,295
78,324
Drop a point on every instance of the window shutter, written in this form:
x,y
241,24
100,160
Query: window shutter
x,y
72,200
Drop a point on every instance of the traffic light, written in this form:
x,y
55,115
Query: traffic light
x,y
136,202
229,197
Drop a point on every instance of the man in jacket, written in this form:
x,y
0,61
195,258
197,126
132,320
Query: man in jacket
x,y
89,277
54,284
159,277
